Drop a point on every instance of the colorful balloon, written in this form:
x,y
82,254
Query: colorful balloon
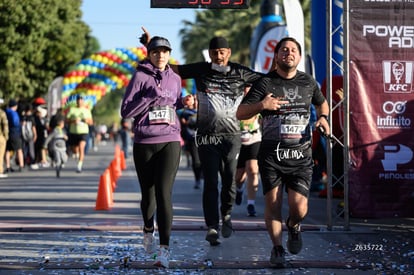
x,y
101,73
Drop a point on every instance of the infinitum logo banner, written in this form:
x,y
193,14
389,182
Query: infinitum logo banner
x,y
398,76
394,117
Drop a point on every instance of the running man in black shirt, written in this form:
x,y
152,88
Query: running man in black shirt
x,y
284,98
220,89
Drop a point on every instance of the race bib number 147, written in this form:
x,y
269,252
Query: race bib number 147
x,y
161,114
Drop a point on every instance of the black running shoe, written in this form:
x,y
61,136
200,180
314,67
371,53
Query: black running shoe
x,y
294,241
277,257
213,237
251,211
227,227
239,197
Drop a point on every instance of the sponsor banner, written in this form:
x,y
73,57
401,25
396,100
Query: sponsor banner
x,y
272,29
381,105
296,26
54,96
318,37
266,48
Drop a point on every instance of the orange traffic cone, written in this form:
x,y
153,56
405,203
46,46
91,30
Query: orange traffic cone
x,y
117,151
113,177
116,167
122,159
104,198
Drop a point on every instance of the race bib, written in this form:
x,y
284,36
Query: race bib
x,y
161,115
292,131
245,136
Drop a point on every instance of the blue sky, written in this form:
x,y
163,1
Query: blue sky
x,y
117,23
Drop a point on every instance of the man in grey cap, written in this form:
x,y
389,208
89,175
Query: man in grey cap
x,y
220,88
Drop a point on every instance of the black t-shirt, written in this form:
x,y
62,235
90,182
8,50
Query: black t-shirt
x,y
219,93
289,126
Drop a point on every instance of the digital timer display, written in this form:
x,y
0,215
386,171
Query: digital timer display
x,y
202,4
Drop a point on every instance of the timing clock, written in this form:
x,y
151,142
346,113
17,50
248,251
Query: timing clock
x,y
203,4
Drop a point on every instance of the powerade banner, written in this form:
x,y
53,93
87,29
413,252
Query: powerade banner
x,y
381,105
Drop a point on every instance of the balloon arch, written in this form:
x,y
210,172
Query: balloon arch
x,y
101,73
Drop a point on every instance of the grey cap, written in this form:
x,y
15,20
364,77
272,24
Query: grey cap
x,y
158,42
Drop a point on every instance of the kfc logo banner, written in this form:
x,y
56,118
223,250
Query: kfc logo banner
x,y
381,106
398,76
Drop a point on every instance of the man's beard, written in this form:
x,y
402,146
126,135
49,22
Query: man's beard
x,y
285,67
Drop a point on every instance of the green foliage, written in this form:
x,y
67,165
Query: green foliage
x,y
306,6
41,39
236,25
107,110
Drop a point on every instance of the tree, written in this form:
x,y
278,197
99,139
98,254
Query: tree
x,y
306,7
41,39
231,24
236,25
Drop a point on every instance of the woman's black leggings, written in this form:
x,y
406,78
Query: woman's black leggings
x,y
156,166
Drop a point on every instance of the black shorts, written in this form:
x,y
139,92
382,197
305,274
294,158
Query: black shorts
x,y
75,139
14,143
292,167
248,152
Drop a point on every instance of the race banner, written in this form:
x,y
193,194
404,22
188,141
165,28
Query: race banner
x,y
381,108
54,96
278,20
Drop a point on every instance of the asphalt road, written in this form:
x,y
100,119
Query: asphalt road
x,y
49,225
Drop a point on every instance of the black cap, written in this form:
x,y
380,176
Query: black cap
x,y
218,42
12,103
157,42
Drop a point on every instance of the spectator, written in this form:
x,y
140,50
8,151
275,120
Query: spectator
x,y
4,136
14,143
42,131
125,135
188,120
29,136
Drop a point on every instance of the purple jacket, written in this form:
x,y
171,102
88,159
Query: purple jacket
x,y
151,89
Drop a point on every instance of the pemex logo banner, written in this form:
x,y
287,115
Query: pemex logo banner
x,y
381,108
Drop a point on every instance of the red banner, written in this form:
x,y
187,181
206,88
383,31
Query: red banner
x,y
381,105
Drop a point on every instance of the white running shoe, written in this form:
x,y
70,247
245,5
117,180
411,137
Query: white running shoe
x,y
149,243
163,258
